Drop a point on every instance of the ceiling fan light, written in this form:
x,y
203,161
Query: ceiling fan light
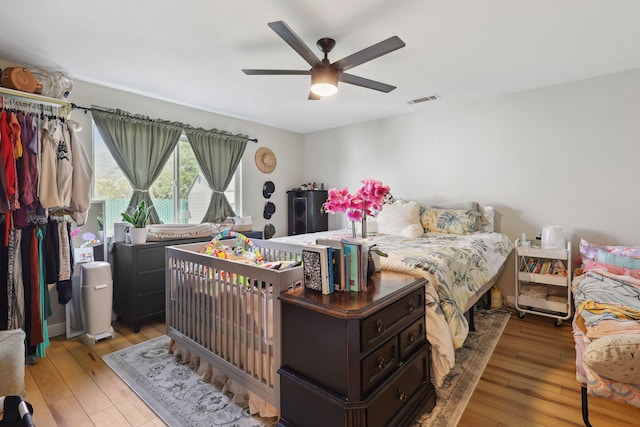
x,y
324,80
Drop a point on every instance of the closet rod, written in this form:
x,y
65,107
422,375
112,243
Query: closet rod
x,y
80,107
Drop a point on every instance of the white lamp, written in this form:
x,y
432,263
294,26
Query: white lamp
x,y
324,80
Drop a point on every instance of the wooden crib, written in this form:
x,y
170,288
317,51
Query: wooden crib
x,y
228,313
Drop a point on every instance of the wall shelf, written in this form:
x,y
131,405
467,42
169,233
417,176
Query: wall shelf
x,y
11,94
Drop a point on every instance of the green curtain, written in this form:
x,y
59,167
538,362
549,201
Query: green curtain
x,y
218,154
140,146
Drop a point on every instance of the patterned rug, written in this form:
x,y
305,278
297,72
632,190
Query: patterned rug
x,y
471,359
176,393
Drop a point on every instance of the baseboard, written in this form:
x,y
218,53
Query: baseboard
x,y
56,329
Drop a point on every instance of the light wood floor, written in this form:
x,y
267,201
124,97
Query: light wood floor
x,y
529,381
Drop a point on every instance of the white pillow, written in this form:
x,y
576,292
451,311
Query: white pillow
x,y
412,231
394,217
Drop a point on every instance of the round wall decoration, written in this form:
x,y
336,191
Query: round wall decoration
x,y
265,160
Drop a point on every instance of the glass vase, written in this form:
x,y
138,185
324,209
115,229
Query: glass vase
x,y
353,229
364,224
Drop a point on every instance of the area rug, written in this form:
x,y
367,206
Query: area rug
x,y
471,359
174,391
179,397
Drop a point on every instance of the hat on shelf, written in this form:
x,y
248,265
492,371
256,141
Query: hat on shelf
x,y
269,209
267,189
265,160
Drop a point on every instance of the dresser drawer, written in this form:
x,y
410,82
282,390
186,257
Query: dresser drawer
x,y
398,394
150,258
390,320
379,365
411,338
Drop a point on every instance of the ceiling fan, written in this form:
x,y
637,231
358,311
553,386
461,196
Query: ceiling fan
x,y
324,74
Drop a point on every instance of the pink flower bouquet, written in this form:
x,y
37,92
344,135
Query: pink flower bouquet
x,y
368,200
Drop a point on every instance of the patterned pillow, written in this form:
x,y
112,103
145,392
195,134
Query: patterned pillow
x,y
450,221
619,260
614,357
590,250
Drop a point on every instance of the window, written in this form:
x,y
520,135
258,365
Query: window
x,y
180,194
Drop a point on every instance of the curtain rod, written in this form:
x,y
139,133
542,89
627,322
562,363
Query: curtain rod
x,y
80,107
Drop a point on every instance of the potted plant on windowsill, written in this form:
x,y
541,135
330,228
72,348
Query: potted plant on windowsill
x,y
138,218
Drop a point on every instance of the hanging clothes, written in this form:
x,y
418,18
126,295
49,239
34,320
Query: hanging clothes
x,y
82,176
45,301
25,162
43,166
8,161
48,182
4,197
59,133
14,282
4,288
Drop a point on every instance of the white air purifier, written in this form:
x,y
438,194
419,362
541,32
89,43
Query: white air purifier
x,y
552,237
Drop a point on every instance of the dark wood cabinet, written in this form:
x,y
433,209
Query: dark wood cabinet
x,y
305,211
355,359
138,279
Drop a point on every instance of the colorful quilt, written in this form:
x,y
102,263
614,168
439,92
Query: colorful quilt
x,y
606,329
457,267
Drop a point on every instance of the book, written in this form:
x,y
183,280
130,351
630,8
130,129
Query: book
x,y
336,262
315,268
355,264
350,266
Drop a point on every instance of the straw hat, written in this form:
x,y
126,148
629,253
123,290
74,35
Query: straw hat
x,y
265,160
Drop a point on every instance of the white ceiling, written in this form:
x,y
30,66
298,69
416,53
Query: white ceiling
x,y
191,52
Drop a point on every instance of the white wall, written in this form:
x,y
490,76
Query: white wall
x,y
565,155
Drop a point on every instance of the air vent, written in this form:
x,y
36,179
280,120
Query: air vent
x,y
433,97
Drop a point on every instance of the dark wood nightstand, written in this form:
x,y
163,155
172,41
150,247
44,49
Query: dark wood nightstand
x,y
355,359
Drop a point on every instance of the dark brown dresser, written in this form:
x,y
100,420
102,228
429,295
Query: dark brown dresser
x,y
138,279
355,359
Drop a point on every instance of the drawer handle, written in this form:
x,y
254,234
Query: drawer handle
x,y
380,326
412,306
381,363
412,337
402,395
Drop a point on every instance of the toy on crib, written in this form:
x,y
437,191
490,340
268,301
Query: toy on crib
x,y
242,250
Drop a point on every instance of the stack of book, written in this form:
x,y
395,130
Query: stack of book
x,y
336,265
544,266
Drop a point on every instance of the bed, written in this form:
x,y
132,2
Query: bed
x,y
606,323
460,257
212,319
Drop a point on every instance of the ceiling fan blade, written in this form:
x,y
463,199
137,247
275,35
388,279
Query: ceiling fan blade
x,y
277,72
314,97
372,52
361,81
292,39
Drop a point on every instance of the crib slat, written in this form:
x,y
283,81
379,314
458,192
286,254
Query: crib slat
x,y
228,313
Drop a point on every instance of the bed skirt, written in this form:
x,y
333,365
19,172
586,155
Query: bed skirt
x,y
208,373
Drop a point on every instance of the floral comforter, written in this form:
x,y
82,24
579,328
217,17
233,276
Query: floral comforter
x,y
457,268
